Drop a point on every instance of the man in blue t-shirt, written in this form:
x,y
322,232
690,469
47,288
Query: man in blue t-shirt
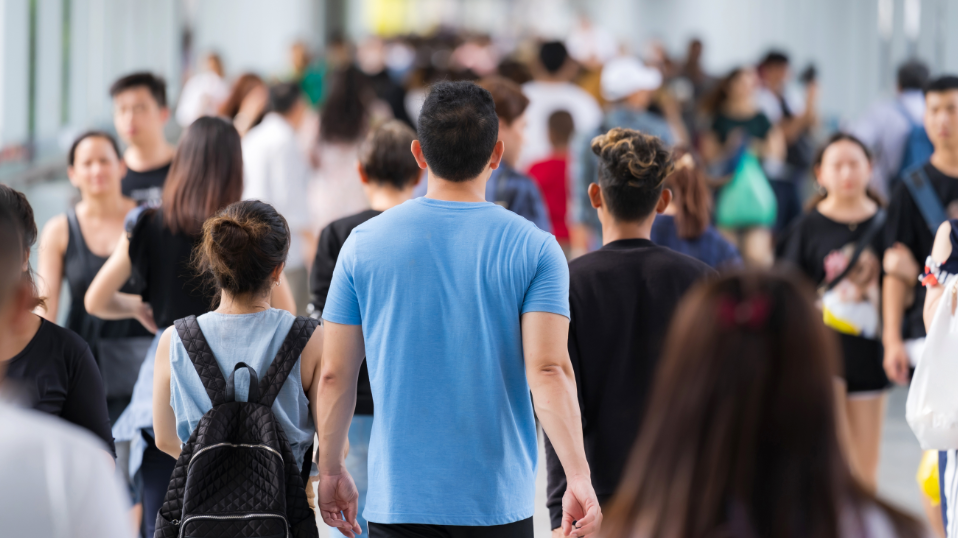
x,y
461,308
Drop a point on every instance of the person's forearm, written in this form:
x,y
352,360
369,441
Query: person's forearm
x,y
118,305
557,407
335,403
894,291
933,296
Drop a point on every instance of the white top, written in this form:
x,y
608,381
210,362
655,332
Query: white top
x,y
57,480
201,96
546,98
275,171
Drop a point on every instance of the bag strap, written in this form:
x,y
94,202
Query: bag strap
x,y
202,358
878,221
299,334
925,197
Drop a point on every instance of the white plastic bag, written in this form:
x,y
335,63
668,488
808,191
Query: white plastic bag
x,y
932,408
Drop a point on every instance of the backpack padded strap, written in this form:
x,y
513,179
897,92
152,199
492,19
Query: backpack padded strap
x,y
299,334
924,195
202,358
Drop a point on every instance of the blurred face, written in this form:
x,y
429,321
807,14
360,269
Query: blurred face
x,y
512,136
845,170
97,169
774,76
941,118
137,117
743,86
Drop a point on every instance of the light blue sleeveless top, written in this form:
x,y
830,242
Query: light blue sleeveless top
x,y
251,338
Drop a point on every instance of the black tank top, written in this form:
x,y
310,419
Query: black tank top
x,y
80,265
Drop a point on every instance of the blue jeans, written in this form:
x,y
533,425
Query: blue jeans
x,y
359,431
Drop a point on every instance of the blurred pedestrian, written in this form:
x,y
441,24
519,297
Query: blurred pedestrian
x,y
552,90
741,436
57,480
203,93
74,246
246,104
686,224
621,299
838,245
140,113
918,207
51,368
276,171
552,175
894,129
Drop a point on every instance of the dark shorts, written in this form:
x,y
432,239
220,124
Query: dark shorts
x,y
519,529
862,362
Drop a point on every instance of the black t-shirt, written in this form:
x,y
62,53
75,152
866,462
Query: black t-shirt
x,y
161,268
57,374
821,249
330,243
145,187
756,126
622,298
906,225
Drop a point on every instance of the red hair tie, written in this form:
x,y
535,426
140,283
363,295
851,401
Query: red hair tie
x,y
751,314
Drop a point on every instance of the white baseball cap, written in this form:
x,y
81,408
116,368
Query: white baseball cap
x,y
625,75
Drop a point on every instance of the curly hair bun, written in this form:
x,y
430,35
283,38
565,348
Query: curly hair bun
x,y
632,170
241,247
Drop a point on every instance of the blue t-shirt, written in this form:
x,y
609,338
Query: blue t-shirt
x,y
439,288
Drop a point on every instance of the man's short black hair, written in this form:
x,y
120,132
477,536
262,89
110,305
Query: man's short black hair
x,y
155,84
458,129
913,75
774,57
944,83
553,55
283,96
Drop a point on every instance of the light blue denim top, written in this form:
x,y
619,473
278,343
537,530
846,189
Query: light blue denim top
x,y
251,338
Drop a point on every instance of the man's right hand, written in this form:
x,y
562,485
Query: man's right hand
x,y
339,502
581,515
896,363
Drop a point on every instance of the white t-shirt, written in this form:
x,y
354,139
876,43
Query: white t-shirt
x,y
201,96
56,480
546,98
275,171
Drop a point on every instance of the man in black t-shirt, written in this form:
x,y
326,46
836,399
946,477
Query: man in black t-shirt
x,y
622,297
139,113
909,236
389,174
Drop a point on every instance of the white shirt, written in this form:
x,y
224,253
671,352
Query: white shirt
x,y
201,96
546,98
275,171
771,105
56,480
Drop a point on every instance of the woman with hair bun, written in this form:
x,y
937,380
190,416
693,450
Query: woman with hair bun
x,y
242,252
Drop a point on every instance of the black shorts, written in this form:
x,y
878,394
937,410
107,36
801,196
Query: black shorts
x,y
862,361
519,529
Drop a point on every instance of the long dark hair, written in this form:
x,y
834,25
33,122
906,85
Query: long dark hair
x,y
345,114
241,88
691,195
206,175
739,437
14,203
714,101
870,192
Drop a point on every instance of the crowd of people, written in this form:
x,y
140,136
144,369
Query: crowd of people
x,y
365,288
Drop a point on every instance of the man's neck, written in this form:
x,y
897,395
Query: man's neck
x,y
613,230
946,161
383,198
473,190
148,156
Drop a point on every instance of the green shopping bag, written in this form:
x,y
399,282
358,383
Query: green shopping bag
x,y
747,200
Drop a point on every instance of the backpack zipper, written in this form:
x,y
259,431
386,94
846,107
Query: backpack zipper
x,y
219,445
244,516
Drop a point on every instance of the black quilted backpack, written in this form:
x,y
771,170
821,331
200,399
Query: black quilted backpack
x,y
237,476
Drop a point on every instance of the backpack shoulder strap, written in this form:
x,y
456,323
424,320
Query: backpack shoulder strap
x,y
299,334
925,197
202,358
